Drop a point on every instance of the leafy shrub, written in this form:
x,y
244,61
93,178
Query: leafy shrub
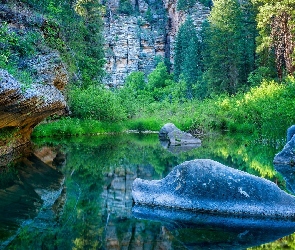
x,y
258,75
135,81
96,102
266,109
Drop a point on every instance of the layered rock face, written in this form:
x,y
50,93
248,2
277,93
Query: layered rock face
x,y
137,42
22,109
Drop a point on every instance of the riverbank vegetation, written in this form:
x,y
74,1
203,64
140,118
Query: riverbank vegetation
x,y
236,74
266,110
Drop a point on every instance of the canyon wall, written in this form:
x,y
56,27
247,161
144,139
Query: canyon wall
x,y
137,41
25,102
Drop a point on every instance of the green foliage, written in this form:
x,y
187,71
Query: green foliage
x,y
75,30
125,7
229,46
7,133
135,81
255,111
76,127
259,75
287,242
276,32
149,15
15,47
158,80
144,124
51,31
96,102
188,60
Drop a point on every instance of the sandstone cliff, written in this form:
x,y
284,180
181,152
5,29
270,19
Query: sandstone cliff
x,y
136,42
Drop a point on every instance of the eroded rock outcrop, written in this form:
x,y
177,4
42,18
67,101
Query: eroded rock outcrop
x,y
23,107
208,186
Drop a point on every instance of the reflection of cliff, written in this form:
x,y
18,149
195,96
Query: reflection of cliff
x,y
30,194
136,42
117,189
121,230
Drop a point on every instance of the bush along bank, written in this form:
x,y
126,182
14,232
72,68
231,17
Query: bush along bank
x,y
267,110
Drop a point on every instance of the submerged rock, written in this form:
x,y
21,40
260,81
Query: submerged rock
x,y
208,186
288,172
30,194
216,231
290,132
171,136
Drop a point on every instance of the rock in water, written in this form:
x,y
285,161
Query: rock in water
x,y
290,132
208,186
287,155
169,132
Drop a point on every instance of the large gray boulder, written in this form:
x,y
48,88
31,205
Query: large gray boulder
x,y
174,136
208,186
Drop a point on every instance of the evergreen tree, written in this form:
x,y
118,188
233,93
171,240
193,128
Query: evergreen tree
x,y
229,45
248,39
187,63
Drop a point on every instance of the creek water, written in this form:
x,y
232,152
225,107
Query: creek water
x,y
75,193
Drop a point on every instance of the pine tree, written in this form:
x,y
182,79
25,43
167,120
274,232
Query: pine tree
x,y
187,63
229,46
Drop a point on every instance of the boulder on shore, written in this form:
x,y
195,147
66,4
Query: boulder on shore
x,y
210,187
175,137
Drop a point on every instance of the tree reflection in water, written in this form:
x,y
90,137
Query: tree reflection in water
x,y
94,210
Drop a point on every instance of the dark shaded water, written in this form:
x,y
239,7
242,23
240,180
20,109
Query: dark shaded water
x,y
76,194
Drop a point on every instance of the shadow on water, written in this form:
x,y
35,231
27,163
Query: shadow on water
x,y
75,193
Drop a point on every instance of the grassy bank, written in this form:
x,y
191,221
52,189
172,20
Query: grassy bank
x,y
266,110
75,126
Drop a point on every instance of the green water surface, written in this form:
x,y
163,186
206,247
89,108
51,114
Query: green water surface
x,y
78,194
